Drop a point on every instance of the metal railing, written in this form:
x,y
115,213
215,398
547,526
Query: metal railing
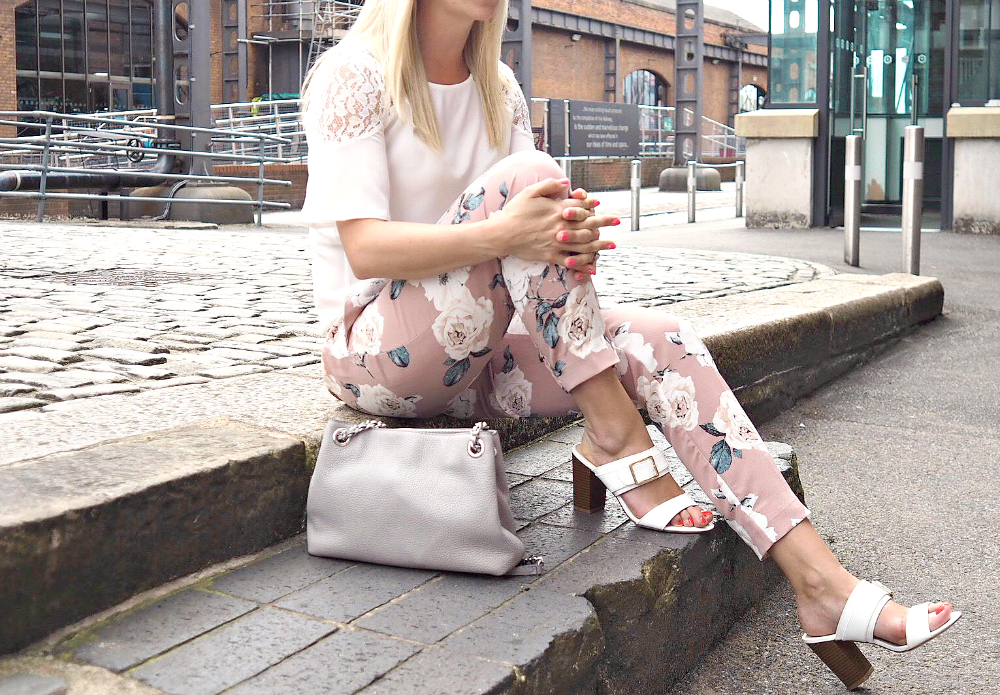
x,y
279,118
60,140
692,185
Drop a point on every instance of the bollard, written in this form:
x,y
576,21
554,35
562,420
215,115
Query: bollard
x,y
913,196
852,200
692,185
739,188
636,188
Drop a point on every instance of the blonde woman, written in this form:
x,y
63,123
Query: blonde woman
x,y
452,270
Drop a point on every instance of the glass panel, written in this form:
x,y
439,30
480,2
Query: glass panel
x,y
73,36
118,39
98,98
27,94
644,87
142,96
27,36
899,48
794,28
49,36
119,98
142,39
76,96
973,50
994,91
97,38
52,95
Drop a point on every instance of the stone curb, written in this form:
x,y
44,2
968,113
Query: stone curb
x,y
187,505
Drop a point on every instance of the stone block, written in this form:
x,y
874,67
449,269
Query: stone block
x,y
43,353
675,179
537,458
436,671
976,205
441,606
12,363
539,497
267,580
778,123
555,543
123,514
779,183
90,391
232,653
30,684
555,639
152,629
14,403
339,664
353,592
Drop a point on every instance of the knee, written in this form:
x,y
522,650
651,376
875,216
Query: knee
x,y
651,323
533,163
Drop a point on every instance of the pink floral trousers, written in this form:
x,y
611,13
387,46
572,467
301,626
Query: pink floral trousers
x,y
512,338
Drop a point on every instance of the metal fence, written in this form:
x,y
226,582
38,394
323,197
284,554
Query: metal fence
x,y
113,147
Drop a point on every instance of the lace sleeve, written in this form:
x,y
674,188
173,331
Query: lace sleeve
x,y
349,99
514,98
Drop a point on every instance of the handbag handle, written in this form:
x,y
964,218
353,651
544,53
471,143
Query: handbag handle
x,y
343,435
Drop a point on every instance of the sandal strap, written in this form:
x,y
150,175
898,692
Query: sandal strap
x,y
660,516
857,622
918,624
630,472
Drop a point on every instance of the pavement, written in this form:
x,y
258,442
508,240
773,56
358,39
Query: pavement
x,y
125,470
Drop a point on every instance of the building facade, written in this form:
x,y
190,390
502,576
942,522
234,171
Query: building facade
x,y
874,67
96,55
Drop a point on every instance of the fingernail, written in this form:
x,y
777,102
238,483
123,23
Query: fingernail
x,y
593,272
615,222
596,203
562,236
580,277
611,246
570,262
564,182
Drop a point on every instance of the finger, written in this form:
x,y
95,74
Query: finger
x,y
579,194
578,236
547,188
587,248
594,222
579,261
576,214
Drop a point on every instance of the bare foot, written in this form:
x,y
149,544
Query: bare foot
x,y
643,498
819,611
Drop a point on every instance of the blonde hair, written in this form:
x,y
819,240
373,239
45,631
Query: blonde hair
x,y
388,29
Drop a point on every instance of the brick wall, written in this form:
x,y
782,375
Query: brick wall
x,y
566,69
8,80
296,173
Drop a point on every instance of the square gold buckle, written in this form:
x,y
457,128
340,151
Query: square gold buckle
x,y
656,471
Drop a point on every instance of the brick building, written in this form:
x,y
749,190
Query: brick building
x,y
93,55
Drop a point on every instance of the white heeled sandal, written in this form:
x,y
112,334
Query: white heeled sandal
x,y
628,473
857,624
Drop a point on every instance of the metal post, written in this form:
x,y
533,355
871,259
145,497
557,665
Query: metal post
x,y
692,185
45,169
260,183
852,200
740,178
636,188
913,196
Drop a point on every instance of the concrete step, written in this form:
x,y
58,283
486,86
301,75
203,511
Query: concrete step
x,y
286,622
99,507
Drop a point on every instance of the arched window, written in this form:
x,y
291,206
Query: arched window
x,y
78,56
751,97
644,87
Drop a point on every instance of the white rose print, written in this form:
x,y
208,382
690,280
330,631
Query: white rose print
x,y
688,337
517,275
362,293
366,335
463,327
441,290
670,401
633,344
378,400
512,393
730,419
581,325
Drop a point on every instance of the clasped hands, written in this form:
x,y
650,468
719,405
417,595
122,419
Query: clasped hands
x,y
550,223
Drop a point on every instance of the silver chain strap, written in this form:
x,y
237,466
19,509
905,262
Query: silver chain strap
x,y
476,447
342,436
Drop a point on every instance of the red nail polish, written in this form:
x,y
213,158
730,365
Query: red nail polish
x,y
611,246
562,236
596,203
564,182
615,222
593,272
580,277
570,262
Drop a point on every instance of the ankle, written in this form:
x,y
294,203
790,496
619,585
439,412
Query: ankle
x,y
618,440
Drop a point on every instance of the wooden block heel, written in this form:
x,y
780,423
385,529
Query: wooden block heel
x,y
588,491
845,660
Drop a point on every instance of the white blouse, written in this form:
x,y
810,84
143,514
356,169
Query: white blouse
x,y
366,162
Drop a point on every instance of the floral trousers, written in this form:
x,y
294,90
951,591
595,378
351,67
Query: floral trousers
x,y
512,338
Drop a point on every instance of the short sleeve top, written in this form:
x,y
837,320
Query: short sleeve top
x,y
367,162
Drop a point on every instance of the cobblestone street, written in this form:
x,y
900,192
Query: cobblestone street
x,y
89,311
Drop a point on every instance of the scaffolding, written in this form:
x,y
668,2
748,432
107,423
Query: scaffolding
x,y
312,26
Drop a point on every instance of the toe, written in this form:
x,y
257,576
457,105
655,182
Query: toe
x,y
938,614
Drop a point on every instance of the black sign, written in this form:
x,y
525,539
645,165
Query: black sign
x,y
596,129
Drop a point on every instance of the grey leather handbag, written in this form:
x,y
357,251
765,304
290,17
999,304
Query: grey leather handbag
x,y
424,498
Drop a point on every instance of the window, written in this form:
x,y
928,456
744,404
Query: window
x,y
751,97
979,51
644,87
84,55
792,67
